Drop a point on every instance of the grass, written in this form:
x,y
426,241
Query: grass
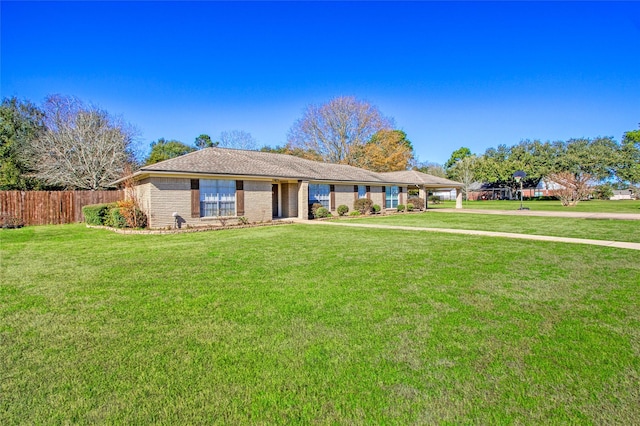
x,y
314,325
591,206
596,229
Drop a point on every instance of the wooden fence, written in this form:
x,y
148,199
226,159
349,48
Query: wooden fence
x,y
52,207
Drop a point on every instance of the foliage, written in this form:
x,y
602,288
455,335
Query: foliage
x,y
295,151
433,169
133,216
410,207
163,149
343,210
456,156
386,151
629,168
401,207
314,208
243,220
417,202
337,130
238,139
96,214
10,221
114,218
434,199
603,192
376,208
81,147
322,212
363,205
354,213
573,187
21,122
204,141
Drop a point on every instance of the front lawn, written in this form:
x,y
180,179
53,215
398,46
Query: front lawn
x,y
314,325
591,206
596,229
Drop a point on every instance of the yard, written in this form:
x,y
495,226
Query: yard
x,y
621,206
314,325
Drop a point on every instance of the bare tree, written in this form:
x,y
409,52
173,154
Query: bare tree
x,y
82,146
339,129
573,186
464,172
238,139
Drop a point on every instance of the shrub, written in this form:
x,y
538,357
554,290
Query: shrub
x,y
96,214
10,221
418,203
376,208
133,216
409,207
314,207
343,210
363,205
354,213
115,219
401,207
434,199
243,220
322,212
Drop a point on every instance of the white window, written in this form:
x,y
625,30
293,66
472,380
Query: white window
x,y
362,191
391,197
217,197
319,193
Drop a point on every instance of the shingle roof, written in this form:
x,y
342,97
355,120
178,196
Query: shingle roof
x,y
419,178
236,162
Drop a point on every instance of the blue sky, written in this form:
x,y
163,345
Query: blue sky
x,y
451,74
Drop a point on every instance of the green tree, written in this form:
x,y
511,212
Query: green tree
x,y
21,122
629,166
456,156
204,141
166,149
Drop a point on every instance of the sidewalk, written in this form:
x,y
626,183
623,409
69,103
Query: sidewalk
x,y
615,244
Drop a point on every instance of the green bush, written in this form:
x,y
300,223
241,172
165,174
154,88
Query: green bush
x,y
343,210
115,219
354,213
96,214
409,207
363,205
418,203
400,207
376,208
434,199
314,207
322,212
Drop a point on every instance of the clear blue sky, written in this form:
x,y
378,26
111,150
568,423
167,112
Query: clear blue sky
x,y
451,74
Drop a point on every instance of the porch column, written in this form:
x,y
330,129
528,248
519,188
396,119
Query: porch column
x,y
458,198
422,193
303,199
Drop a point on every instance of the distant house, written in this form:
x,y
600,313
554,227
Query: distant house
x,y
621,194
201,187
493,191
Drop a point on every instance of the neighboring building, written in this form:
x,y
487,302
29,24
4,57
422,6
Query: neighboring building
x,y
492,191
202,187
622,194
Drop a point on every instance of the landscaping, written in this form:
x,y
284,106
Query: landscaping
x,y
314,325
605,206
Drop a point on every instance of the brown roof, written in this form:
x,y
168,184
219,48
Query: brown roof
x,y
419,178
236,162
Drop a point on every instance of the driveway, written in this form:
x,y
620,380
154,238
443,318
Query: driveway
x,y
578,215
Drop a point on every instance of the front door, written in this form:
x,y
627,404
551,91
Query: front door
x,y
274,200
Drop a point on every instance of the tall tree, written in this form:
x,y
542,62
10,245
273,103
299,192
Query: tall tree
x,y
387,151
82,146
21,122
204,141
163,149
463,171
456,156
339,129
238,139
629,167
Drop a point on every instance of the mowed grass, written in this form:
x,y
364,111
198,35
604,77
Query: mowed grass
x,y
596,229
591,206
314,325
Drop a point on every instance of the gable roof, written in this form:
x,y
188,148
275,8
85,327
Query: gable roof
x,y
237,162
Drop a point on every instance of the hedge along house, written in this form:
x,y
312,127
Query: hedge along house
x,y
218,184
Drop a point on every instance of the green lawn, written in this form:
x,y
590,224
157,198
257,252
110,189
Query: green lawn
x,y
596,229
314,325
621,206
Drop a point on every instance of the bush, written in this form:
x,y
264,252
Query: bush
x,y
96,214
400,207
354,213
376,208
314,208
409,207
133,216
342,210
115,219
434,199
363,205
418,203
322,212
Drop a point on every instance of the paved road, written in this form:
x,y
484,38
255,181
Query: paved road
x,y
579,215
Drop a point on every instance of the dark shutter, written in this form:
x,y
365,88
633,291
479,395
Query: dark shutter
x,y
195,198
355,192
368,188
240,198
332,197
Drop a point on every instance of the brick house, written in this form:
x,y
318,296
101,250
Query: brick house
x,y
201,187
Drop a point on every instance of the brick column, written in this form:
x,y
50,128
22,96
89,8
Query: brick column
x,y
303,200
